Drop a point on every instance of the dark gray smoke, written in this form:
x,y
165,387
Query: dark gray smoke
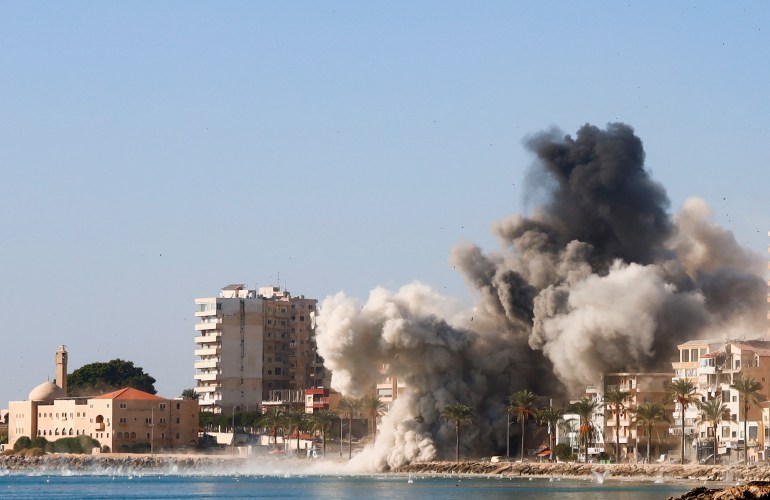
x,y
599,278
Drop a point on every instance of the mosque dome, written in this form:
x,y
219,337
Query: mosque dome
x,y
47,392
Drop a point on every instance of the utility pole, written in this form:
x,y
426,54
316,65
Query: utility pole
x,y
508,435
152,430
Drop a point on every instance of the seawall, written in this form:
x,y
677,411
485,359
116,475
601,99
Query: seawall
x,y
119,464
652,471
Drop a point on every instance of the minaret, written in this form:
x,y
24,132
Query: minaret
x,y
61,368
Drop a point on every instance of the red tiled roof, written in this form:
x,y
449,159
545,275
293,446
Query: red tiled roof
x,y
128,393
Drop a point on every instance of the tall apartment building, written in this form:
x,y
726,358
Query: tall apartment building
x,y
251,344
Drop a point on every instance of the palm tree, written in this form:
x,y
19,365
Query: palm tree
x,y
373,408
748,389
683,392
273,420
348,407
457,413
713,412
550,416
322,421
190,394
296,420
585,408
648,414
615,400
522,403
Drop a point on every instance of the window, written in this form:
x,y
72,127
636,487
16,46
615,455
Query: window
x,y
123,420
123,406
278,371
163,406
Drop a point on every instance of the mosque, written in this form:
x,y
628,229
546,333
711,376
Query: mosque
x,y
124,420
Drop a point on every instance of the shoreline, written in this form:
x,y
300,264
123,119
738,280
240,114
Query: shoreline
x,y
201,464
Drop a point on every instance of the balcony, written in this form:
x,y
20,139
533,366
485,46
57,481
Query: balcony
x,y
206,364
210,325
206,377
208,351
208,339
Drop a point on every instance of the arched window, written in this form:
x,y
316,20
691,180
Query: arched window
x,y
133,435
56,432
70,432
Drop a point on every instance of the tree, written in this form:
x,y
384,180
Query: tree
x,y
713,412
648,414
683,392
373,408
457,413
522,403
273,421
615,400
585,409
98,378
323,421
348,407
296,422
190,394
748,389
550,416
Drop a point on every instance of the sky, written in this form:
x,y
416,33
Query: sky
x,y
154,152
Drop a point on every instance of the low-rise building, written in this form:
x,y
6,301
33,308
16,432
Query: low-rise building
x,y
123,420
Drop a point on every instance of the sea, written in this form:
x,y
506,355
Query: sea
x,y
358,487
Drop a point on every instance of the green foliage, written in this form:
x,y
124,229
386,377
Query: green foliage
x,y
190,394
99,378
22,443
75,444
4,436
39,442
209,420
563,452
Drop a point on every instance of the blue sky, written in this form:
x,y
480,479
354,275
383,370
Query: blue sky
x,y
152,152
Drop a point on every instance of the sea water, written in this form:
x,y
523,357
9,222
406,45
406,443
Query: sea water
x,y
367,487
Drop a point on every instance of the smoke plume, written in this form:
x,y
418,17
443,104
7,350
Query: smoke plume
x,y
599,278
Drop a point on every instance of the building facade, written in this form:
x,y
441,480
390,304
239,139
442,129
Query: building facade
x,y
253,344
124,420
642,388
712,366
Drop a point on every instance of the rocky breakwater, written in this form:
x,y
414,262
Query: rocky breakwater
x,y
652,471
754,489
107,464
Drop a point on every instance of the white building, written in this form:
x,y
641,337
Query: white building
x,y
250,344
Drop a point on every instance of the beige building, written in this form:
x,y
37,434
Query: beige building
x,y
643,388
389,387
712,365
252,345
122,420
